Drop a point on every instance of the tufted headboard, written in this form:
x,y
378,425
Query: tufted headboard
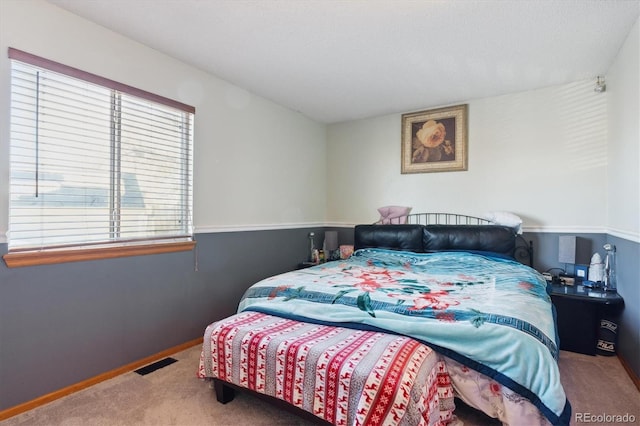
x,y
424,238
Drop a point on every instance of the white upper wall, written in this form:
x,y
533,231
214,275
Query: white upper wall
x,y
563,158
256,165
623,88
540,154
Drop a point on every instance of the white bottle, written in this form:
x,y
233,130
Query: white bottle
x,y
596,268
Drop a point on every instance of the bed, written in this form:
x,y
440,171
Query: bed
x,y
420,314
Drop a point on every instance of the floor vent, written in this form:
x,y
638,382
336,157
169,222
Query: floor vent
x,y
155,366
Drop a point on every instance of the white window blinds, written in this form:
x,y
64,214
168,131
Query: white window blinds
x,y
93,161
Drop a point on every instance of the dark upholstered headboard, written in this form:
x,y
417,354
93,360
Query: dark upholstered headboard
x,y
424,238
392,237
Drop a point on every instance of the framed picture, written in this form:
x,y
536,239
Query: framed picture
x,y
435,140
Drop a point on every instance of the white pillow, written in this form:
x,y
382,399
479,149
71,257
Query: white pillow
x,y
505,218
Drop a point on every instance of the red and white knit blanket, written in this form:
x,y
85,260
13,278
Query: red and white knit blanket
x,y
345,376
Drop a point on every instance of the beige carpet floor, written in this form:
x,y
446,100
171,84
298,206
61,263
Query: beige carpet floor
x,y
173,395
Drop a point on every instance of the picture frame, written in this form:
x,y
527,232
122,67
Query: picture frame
x,y
435,140
581,272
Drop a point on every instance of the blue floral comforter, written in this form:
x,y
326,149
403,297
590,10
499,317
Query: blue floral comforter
x,y
489,313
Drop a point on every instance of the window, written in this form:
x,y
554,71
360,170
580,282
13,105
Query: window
x,y
94,163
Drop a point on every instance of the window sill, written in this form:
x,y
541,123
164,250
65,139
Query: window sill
x,y
48,257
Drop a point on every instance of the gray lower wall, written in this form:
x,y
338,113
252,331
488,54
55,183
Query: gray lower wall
x,y
628,253
62,324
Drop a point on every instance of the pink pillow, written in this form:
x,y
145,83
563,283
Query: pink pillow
x,y
393,214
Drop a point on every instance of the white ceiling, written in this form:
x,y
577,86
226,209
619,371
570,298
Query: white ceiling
x,y
343,60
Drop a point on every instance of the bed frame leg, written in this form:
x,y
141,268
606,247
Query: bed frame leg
x,y
224,393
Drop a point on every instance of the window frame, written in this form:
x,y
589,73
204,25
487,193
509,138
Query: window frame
x,y
51,255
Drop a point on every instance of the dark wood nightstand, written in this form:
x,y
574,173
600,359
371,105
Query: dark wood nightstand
x,y
303,265
579,311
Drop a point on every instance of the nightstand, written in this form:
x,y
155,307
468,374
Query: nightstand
x,y
579,310
303,265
